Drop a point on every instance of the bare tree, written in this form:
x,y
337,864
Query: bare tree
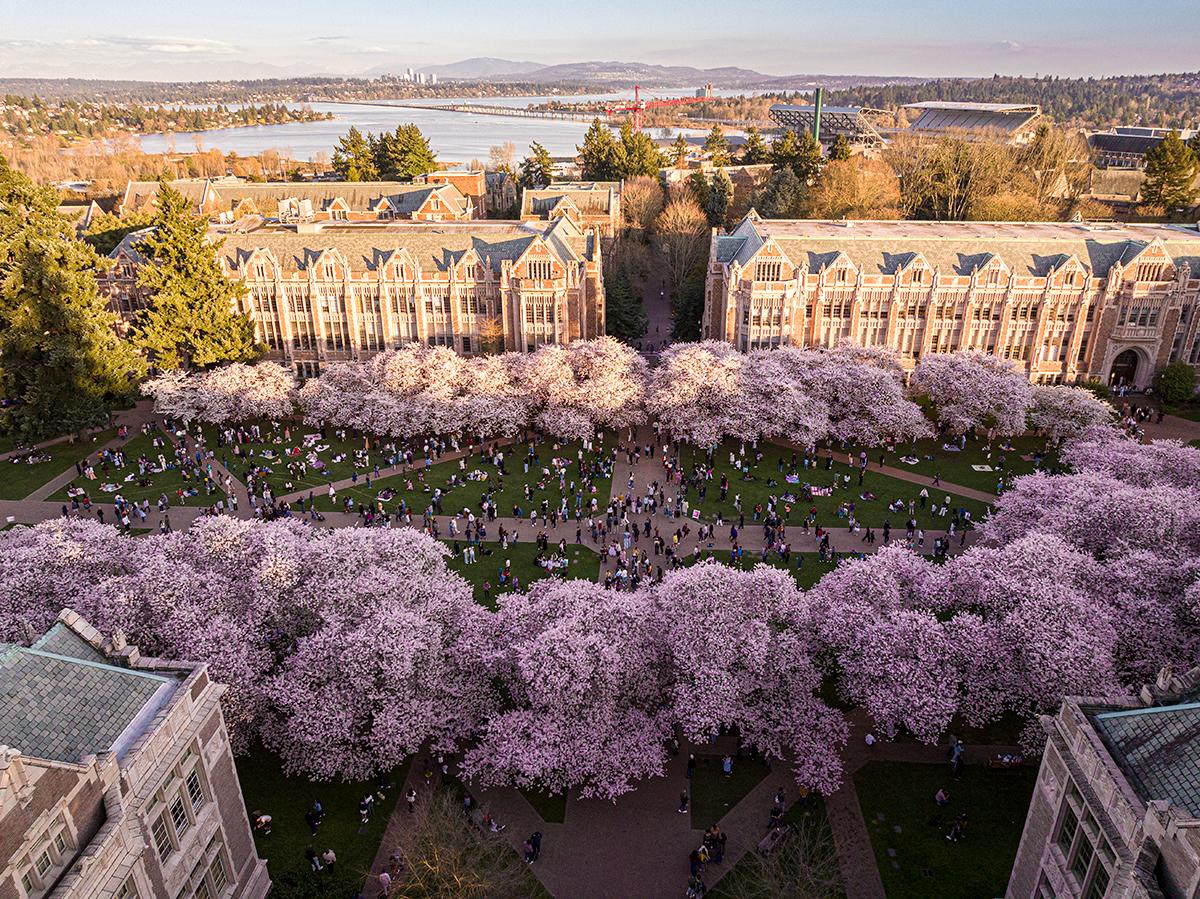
x,y
444,856
855,188
944,178
804,867
502,157
682,232
642,200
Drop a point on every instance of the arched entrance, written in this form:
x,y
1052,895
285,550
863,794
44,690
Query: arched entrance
x,y
1124,369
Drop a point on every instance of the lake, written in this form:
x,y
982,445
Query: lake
x,y
452,135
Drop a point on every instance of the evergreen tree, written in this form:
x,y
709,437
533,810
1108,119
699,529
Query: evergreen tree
x,y
755,151
678,153
190,317
840,148
598,154
353,158
62,365
624,317
717,148
637,154
720,196
403,154
800,153
782,198
537,167
1171,169
697,185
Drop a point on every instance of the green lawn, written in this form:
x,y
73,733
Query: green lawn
x,y
957,467
811,571
18,479
774,467
806,865
908,830
286,799
269,453
1190,411
415,488
713,794
552,807
168,482
583,563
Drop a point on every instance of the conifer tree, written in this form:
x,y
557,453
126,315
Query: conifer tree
x,y
637,154
598,154
755,150
62,365
537,167
720,196
717,147
840,148
353,159
678,153
624,317
1171,169
190,318
800,153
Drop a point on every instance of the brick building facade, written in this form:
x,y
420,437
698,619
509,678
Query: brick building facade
x,y
1067,301
336,292
1115,813
116,776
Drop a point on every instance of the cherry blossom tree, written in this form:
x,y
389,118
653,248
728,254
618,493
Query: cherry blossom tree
x,y
583,673
969,389
1107,451
1061,411
696,389
234,392
742,657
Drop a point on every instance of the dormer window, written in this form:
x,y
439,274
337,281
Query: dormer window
x,y
768,270
1150,271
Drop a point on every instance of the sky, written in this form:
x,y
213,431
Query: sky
x,y
182,40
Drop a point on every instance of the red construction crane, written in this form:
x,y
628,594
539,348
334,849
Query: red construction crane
x,y
637,105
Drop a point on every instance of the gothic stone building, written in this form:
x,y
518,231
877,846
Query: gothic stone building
x,y
589,204
330,292
227,199
1115,812
1067,301
116,776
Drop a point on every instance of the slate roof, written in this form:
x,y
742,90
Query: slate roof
x,y
1158,748
589,197
360,196
61,640
63,707
957,248
138,193
435,246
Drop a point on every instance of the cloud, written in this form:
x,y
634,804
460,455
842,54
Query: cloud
x,y
1011,46
166,45
329,38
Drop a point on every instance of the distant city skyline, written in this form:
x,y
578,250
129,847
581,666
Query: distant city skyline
x,y
223,39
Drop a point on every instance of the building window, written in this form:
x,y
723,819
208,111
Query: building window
x,y
768,270
220,877
195,792
1083,857
1099,885
162,836
539,269
128,890
43,862
1066,830
27,884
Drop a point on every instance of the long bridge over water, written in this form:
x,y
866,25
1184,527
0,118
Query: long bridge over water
x,y
484,109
